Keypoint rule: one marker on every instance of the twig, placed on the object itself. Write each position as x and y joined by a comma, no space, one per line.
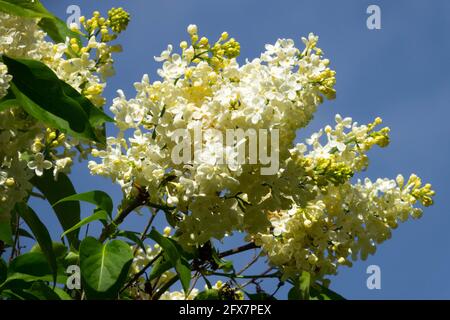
16,238
196,277
111,227
254,279
252,262
165,287
144,233
240,249
38,195
235,276
141,272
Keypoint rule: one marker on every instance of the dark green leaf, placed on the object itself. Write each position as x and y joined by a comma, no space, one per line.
104,267
176,259
181,251
24,233
40,291
5,231
59,249
72,258
260,296
97,215
45,97
223,264
208,294
160,266
10,295
3,270
8,103
320,292
293,294
30,267
133,236
57,29
24,8
62,294
170,251
41,234
37,290
96,116
101,199
32,263
183,270
68,213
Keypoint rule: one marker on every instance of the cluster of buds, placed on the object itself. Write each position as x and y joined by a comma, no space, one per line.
217,55
52,139
423,194
118,19
227,292
108,28
329,171
326,81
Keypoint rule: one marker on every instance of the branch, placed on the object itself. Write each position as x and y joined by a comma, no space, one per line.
141,272
235,276
16,245
240,249
165,287
140,200
38,195
144,233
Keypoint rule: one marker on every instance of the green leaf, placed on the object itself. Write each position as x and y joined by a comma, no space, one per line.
32,263
320,292
301,288
225,265
304,285
72,258
29,267
133,236
45,97
160,266
172,254
208,294
68,213
5,231
62,294
40,291
59,249
3,270
183,269
41,233
8,103
170,251
104,267
24,8
57,29
98,215
96,116
37,290
24,233
101,199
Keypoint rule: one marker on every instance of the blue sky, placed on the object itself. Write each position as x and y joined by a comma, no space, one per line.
400,73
